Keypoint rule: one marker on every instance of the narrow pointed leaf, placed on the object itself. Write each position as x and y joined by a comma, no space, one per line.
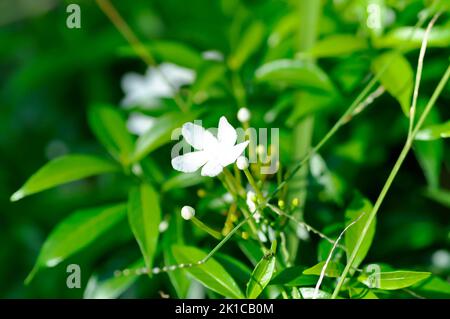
333,270
76,232
63,170
211,274
144,216
393,280
261,275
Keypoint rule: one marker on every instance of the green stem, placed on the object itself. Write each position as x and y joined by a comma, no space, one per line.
390,179
206,228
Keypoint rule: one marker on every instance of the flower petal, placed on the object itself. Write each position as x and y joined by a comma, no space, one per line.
226,134
231,154
197,136
189,162
212,168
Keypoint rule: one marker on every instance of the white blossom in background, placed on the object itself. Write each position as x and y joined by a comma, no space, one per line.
212,55
441,259
251,203
187,212
138,123
158,82
243,115
213,153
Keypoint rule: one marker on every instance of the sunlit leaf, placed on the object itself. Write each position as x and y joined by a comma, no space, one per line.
144,215
211,274
261,275
75,232
63,170
333,270
397,78
393,280
357,207
108,125
434,132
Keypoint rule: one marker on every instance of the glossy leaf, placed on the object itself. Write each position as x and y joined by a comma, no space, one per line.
108,125
76,232
113,287
144,216
293,276
261,275
294,73
358,206
393,280
333,270
397,78
434,132
211,274
63,170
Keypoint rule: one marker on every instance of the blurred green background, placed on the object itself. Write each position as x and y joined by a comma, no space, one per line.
50,75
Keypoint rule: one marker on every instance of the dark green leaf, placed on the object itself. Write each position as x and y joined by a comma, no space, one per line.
248,44
75,232
63,170
293,276
211,274
110,129
144,215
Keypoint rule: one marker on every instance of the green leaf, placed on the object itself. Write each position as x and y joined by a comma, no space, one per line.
359,291
358,206
248,44
211,274
338,45
412,39
144,216
293,276
433,287
439,195
397,78
392,280
76,232
109,127
237,269
160,133
113,287
294,73
430,155
434,132
334,269
308,293
262,274
63,170
182,181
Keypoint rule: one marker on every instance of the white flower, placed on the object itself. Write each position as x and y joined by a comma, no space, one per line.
158,82
251,203
187,212
243,115
213,153
242,163
139,123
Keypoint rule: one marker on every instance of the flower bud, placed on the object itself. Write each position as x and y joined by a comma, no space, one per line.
187,212
242,162
243,115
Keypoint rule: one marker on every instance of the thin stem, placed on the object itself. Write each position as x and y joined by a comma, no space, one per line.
324,268
391,177
206,228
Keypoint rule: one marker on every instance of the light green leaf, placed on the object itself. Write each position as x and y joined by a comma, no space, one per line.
294,73
392,280
144,216
63,170
398,77
76,232
293,276
338,45
359,291
412,39
308,293
262,274
113,287
248,44
211,274
358,206
160,133
109,127
334,269
434,132
182,181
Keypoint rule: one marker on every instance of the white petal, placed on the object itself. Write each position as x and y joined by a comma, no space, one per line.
198,137
189,162
227,134
212,169
138,123
177,75
231,154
